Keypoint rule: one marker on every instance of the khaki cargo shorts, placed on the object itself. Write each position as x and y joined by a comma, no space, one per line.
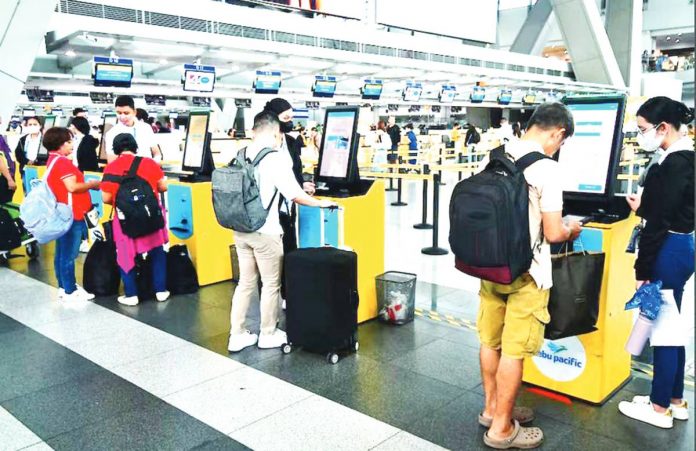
512,317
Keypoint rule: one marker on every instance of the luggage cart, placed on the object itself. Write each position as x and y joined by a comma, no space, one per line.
31,246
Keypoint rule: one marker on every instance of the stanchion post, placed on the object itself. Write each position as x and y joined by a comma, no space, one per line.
435,249
398,202
460,160
424,222
439,162
391,160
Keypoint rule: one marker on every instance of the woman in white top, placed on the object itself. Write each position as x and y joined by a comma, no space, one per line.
27,150
381,143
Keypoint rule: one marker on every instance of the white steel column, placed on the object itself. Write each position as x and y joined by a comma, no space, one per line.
624,24
23,24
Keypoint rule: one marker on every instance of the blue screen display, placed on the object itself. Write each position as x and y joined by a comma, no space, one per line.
372,90
478,94
505,97
324,87
267,82
113,73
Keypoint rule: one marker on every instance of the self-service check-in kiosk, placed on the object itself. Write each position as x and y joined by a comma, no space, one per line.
592,367
362,203
189,203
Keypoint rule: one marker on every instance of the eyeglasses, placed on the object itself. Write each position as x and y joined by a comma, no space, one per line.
643,132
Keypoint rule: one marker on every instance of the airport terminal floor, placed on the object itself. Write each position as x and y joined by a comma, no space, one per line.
158,376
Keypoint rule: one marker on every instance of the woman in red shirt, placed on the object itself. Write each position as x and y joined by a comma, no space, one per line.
68,184
125,147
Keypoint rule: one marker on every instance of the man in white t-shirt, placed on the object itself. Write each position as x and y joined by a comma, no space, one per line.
128,123
261,253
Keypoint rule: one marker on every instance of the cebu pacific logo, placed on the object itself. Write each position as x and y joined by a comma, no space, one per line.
561,360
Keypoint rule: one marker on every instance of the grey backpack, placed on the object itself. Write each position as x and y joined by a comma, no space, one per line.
236,194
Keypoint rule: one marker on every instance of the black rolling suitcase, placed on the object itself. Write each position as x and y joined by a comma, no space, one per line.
322,301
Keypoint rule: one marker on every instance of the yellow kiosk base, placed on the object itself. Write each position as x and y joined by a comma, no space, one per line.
191,221
364,233
592,367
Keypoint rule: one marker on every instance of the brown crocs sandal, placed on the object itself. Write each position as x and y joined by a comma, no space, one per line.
522,438
524,415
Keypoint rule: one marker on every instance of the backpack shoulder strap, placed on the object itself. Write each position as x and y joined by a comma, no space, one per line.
134,167
498,156
529,159
50,167
261,155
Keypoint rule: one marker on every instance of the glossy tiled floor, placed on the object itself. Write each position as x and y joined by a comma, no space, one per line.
158,376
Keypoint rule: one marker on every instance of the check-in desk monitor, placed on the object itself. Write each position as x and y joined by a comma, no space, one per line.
589,160
198,157
337,173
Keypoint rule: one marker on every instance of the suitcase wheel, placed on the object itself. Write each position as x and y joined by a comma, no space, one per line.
32,250
287,348
332,358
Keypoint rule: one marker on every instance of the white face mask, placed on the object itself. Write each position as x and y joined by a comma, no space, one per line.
31,129
650,141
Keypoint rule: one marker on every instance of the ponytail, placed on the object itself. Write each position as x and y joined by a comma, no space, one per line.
663,109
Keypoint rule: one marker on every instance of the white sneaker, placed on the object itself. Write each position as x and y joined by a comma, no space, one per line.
84,247
241,341
679,412
274,340
162,296
129,301
647,414
85,294
74,297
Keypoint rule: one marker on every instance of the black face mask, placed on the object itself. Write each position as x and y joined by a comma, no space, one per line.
286,127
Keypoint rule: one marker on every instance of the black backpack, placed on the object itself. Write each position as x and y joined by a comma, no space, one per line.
489,220
100,273
181,274
10,232
136,204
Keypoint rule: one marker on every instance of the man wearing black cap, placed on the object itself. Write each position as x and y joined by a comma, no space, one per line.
292,148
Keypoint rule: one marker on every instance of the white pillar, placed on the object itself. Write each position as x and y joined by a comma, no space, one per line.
23,24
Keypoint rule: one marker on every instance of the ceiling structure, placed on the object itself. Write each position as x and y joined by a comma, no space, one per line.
160,44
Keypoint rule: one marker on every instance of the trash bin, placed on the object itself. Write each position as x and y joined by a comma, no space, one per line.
396,297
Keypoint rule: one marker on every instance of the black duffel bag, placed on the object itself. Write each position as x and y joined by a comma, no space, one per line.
574,299
181,274
100,274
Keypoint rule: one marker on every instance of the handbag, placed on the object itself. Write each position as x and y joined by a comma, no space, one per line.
671,327
574,297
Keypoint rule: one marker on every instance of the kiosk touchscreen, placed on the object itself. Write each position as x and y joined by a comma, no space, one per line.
337,172
109,121
198,157
589,160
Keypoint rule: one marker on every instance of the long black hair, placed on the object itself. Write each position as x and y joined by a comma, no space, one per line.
663,109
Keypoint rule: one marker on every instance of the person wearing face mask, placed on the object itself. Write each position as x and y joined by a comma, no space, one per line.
261,252
27,150
666,250
86,144
68,185
128,123
290,151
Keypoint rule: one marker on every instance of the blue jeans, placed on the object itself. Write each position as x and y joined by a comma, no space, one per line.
67,250
674,266
158,259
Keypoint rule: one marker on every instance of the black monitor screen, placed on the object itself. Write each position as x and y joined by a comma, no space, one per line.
155,100
372,90
196,134
505,97
589,158
340,134
111,74
267,82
